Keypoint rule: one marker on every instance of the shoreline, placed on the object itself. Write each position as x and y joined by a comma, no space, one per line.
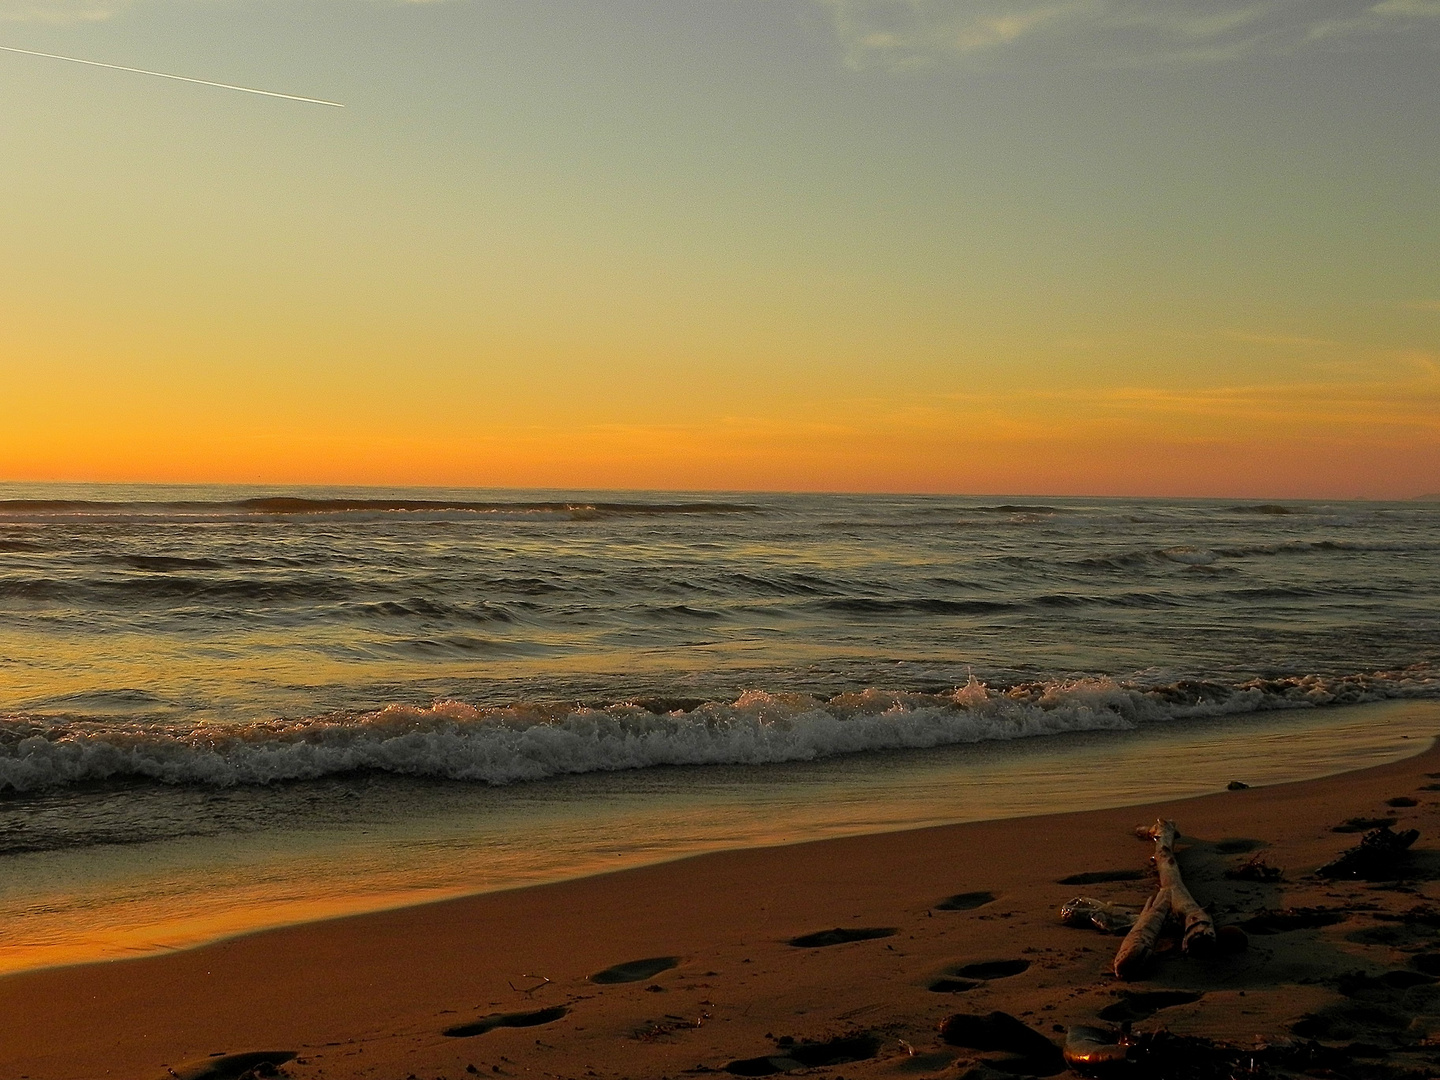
409,842
372,994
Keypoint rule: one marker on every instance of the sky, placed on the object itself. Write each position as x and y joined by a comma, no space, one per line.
1105,247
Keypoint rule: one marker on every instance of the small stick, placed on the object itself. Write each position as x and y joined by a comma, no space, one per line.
528,990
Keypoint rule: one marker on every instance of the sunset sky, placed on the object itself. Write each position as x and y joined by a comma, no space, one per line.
995,246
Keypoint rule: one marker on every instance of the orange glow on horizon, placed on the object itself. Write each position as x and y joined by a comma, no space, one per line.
1314,441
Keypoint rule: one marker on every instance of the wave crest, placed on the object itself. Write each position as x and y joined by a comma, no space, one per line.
456,741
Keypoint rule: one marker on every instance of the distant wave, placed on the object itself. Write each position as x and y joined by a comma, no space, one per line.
1266,508
280,505
455,741
165,564
1016,508
920,605
285,506
350,598
1206,557
308,588
911,604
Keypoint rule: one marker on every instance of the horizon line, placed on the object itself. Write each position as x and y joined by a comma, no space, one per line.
837,492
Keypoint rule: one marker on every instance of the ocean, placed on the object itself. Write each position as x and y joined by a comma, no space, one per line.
228,708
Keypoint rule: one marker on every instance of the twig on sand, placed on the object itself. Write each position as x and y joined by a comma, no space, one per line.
529,990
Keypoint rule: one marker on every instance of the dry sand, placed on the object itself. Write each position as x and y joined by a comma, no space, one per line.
374,995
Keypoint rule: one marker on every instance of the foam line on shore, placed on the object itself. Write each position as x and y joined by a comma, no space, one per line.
456,741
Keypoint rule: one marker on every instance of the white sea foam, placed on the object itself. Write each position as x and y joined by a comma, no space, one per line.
456,741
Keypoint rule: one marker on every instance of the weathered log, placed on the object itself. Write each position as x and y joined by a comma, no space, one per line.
1172,897
1199,935
1138,947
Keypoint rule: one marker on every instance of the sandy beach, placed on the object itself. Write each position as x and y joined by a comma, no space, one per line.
533,982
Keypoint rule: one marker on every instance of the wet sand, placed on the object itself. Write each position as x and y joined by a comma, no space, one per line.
796,958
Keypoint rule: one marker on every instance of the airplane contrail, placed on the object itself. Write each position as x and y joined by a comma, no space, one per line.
177,78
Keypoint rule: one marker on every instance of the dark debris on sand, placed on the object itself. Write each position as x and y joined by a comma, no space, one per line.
1163,1055
1382,1026
1257,869
1381,856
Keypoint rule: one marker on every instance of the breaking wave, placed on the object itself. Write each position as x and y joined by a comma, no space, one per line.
455,741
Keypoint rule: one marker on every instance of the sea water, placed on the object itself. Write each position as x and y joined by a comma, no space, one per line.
226,708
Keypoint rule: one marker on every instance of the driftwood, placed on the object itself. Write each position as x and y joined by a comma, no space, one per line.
1199,936
1171,898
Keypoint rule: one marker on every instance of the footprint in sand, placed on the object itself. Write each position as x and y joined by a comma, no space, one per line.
232,1066
790,1055
1032,1053
1350,1022
1288,919
841,936
993,969
950,985
1141,1005
1100,877
635,970
1388,984
1407,933
1364,824
499,1020
1237,846
1428,962
972,975
966,901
